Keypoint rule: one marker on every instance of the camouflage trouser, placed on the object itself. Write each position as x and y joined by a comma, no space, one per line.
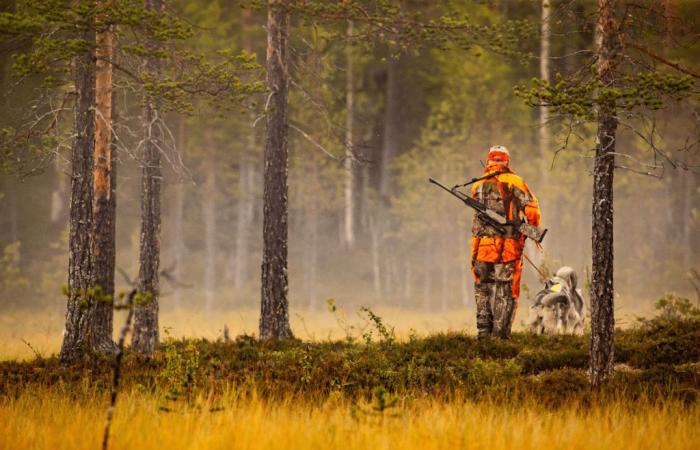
494,280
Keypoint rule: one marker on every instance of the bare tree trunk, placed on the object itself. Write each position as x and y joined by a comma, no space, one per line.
209,213
274,308
178,246
77,338
104,220
390,137
145,335
349,139
544,138
246,183
602,295
544,75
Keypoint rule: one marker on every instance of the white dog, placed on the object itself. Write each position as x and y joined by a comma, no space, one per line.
559,307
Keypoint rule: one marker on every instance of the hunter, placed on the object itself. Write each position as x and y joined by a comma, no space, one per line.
496,255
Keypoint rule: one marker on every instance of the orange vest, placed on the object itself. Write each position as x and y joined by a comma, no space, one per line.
508,195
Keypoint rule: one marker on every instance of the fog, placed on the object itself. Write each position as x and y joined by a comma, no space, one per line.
416,114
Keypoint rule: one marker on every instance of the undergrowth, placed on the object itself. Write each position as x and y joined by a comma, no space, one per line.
659,358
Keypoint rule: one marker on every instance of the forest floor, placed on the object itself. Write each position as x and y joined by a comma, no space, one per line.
372,390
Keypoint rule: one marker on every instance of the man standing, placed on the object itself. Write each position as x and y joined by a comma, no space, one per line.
497,254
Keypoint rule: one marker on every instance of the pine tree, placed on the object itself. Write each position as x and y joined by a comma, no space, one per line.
274,307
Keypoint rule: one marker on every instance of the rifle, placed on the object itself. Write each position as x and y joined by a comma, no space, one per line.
493,218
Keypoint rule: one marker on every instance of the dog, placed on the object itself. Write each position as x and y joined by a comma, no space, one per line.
559,307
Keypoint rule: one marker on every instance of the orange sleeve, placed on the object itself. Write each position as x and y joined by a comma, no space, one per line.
532,212
530,205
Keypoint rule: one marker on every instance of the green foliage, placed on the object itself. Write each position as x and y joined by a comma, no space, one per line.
180,373
674,307
670,338
407,29
386,333
581,100
48,38
143,298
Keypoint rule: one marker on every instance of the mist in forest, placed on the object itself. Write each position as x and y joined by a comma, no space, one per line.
414,115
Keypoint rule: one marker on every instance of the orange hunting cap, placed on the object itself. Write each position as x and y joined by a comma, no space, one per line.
498,154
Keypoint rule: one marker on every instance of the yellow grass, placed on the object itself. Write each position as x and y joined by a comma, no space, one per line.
43,331
52,420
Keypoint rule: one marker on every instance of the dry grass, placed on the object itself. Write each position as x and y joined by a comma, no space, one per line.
54,420
43,331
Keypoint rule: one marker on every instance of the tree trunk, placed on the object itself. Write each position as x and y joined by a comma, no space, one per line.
349,225
544,75
274,308
77,338
246,183
209,213
145,336
178,246
390,137
104,220
602,295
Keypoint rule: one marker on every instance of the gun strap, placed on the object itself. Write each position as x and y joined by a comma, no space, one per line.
485,177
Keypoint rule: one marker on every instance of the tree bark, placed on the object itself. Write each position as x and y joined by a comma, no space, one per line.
602,292
77,337
145,335
104,220
274,307
349,223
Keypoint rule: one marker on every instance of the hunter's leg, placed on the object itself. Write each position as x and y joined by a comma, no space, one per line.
483,289
504,302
